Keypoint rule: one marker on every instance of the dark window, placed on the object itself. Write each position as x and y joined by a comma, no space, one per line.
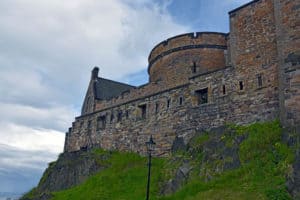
112,117
259,80
224,89
241,85
168,103
119,116
81,124
143,109
101,122
180,101
202,96
194,67
89,128
156,107
127,114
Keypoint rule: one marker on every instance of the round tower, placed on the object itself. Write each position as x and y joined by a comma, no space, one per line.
174,60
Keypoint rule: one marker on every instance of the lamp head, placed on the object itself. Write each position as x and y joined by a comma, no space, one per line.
150,144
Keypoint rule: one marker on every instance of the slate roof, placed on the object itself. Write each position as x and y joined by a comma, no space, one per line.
106,89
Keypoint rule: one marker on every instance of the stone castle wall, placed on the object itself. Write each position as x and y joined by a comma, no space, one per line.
287,15
183,54
204,80
254,57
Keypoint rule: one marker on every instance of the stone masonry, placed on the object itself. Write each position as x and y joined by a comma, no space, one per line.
199,81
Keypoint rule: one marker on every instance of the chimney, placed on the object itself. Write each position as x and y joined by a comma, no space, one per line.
95,73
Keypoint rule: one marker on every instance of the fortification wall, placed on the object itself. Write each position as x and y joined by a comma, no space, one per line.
185,101
168,114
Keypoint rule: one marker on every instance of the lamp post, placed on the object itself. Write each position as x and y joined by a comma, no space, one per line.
150,147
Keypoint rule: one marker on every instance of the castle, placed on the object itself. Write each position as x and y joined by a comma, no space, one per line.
201,80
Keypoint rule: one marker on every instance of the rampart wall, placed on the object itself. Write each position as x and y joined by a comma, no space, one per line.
205,80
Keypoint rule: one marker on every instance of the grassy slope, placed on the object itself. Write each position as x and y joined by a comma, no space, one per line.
265,162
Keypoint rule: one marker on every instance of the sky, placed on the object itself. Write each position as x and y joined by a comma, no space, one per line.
47,51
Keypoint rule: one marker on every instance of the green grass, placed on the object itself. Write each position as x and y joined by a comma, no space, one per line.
265,163
126,178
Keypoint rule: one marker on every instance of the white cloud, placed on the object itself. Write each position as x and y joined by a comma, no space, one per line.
24,154
56,117
30,139
47,49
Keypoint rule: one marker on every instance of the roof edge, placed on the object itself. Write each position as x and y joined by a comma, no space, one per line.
118,82
242,6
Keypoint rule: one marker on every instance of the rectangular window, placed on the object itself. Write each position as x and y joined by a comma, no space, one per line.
143,109
119,116
241,85
259,80
202,96
224,89
101,122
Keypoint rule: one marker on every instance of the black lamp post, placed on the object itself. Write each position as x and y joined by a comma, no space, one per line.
150,147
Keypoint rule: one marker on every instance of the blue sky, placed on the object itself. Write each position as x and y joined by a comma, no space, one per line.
47,50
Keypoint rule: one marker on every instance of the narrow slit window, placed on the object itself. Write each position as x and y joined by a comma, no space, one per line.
194,67
202,96
119,116
112,117
168,103
223,89
156,107
143,109
101,122
81,124
241,85
127,114
89,127
259,80
180,101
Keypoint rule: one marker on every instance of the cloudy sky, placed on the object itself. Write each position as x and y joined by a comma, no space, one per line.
47,50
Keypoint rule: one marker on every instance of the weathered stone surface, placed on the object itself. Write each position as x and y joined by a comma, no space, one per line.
178,145
288,47
71,168
207,154
178,181
234,93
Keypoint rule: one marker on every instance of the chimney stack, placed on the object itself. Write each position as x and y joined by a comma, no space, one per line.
95,72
